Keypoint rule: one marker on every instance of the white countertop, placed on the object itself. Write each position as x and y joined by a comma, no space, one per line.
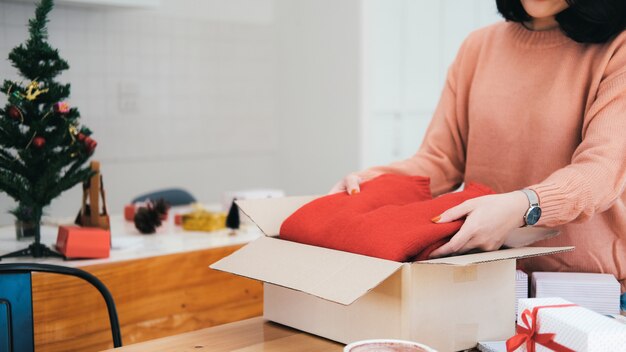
128,243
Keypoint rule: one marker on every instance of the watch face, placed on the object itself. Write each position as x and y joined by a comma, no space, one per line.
533,215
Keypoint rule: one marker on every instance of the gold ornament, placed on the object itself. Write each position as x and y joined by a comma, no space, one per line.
33,91
73,133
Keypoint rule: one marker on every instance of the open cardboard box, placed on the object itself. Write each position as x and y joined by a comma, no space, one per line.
447,303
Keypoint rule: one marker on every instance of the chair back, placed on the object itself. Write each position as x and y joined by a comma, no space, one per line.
16,313
16,307
173,196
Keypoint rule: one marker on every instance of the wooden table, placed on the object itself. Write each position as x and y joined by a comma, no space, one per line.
249,335
161,283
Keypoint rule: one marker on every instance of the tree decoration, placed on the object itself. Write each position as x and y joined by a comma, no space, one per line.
90,145
232,220
15,96
61,108
147,220
161,207
33,91
15,113
39,159
39,142
148,217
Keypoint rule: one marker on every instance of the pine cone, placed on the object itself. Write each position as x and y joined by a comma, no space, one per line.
147,220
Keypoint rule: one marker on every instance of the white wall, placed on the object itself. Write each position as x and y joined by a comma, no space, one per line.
319,79
181,95
409,45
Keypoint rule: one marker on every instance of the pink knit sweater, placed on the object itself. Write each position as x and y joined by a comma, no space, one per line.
536,109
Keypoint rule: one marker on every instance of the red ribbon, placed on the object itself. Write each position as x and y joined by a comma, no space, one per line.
529,333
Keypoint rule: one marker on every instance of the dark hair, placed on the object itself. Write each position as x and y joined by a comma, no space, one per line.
585,21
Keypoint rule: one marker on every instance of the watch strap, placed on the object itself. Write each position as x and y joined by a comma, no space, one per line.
533,199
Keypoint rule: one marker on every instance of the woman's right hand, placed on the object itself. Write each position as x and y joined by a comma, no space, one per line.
350,184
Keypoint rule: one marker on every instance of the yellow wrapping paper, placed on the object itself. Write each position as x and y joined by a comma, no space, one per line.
204,220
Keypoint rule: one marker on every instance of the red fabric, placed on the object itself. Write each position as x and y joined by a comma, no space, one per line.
389,219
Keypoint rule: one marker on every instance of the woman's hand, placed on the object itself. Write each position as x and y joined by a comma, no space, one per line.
349,184
487,221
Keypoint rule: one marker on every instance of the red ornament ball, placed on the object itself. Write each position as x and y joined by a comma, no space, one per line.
14,112
39,142
81,137
90,145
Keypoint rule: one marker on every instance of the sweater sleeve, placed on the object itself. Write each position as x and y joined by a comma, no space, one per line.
596,176
442,153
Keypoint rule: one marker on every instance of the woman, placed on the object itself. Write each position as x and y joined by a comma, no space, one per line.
537,103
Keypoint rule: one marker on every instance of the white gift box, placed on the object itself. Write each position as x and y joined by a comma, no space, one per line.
521,287
575,327
492,346
598,292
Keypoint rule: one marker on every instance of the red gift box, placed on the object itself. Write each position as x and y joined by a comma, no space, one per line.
83,242
129,212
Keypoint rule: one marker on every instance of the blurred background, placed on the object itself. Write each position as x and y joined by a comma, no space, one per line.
223,95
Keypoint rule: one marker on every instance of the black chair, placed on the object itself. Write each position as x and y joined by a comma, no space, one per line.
173,196
16,305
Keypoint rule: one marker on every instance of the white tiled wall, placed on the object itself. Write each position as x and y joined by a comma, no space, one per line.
180,95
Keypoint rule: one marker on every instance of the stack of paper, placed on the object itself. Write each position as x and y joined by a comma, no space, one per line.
521,287
598,292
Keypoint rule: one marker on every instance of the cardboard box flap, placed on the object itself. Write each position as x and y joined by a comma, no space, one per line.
503,254
268,214
332,275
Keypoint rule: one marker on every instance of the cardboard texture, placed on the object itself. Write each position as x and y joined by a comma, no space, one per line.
328,274
268,214
418,303
83,242
447,303
503,254
524,236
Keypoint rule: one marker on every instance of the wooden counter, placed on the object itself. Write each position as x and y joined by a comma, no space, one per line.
161,283
155,297
250,335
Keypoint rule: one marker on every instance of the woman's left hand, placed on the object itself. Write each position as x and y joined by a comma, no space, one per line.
487,221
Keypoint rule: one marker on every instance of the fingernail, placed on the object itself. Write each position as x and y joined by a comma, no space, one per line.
354,191
436,219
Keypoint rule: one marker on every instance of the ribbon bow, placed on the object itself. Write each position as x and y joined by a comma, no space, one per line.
529,333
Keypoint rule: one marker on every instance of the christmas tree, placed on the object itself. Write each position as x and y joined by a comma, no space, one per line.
43,149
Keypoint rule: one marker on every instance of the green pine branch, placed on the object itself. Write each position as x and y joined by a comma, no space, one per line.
14,185
37,60
37,25
68,181
10,163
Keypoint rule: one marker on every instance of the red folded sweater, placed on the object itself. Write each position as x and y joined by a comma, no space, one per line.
389,219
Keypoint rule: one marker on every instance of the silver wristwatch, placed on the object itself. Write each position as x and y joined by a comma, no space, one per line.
534,211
